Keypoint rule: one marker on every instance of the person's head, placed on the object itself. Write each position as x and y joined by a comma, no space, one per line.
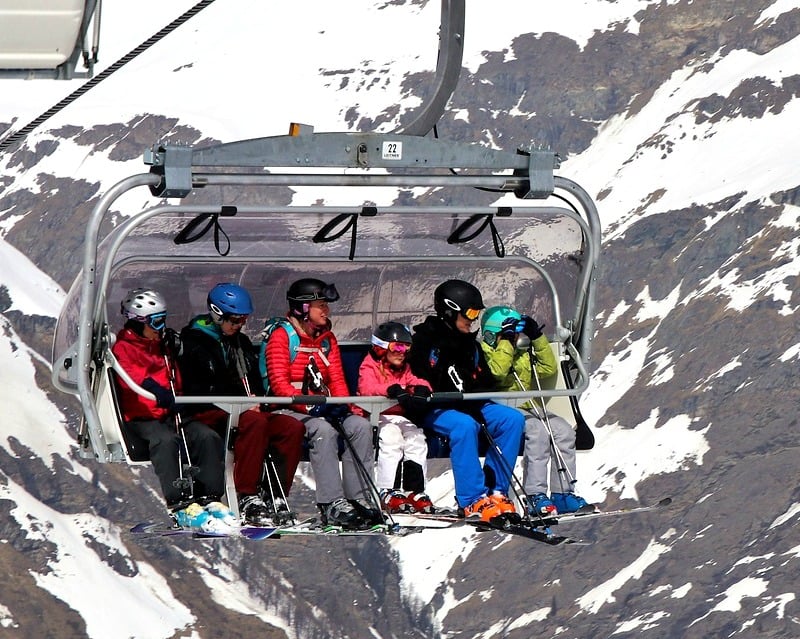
492,321
308,300
146,312
229,306
458,303
391,342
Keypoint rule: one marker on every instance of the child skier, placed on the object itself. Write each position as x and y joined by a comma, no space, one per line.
385,371
520,358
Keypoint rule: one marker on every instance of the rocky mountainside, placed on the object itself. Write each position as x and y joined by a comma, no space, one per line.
680,119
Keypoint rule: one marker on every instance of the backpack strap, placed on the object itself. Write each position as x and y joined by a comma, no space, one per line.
269,328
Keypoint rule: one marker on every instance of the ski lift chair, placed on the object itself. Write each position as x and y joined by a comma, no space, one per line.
537,252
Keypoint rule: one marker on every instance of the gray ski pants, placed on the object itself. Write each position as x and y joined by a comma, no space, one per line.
539,453
323,442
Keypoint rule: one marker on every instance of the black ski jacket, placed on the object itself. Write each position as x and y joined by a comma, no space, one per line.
436,347
214,364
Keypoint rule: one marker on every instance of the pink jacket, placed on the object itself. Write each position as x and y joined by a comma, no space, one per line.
374,378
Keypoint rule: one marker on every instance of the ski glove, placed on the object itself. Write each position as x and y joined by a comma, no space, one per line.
330,412
393,391
419,396
164,397
508,329
531,328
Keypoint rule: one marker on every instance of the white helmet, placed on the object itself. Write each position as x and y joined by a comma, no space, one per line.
146,306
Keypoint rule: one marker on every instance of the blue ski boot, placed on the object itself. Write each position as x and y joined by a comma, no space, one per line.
540,505
568,502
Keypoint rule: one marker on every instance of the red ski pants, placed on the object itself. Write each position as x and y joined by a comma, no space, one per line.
260,433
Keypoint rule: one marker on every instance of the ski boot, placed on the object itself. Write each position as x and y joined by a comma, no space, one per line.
254,511
420,503
340,513
393,501
569,503
195,517
540,506
495,511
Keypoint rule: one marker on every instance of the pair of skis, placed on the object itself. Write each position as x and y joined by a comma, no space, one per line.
306,527
537,529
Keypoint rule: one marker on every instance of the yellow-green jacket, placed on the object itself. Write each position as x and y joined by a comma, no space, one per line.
504,360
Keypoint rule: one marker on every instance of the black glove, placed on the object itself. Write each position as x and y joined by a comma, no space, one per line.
393,391
172,342
420,391
405,399
508,329
531,328
330,412
164,396
419,396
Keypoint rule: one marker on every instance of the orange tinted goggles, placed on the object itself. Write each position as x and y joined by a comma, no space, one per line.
471,314
399,347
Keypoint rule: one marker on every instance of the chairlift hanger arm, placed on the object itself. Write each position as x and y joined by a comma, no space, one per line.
448,68
411,160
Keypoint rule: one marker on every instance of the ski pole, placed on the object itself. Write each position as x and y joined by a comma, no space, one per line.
269,463
183,482
366,476
545,419
514,481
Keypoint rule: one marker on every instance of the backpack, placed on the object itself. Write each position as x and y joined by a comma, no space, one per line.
294,343
294,346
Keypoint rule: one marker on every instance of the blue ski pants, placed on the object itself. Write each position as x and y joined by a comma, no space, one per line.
505,425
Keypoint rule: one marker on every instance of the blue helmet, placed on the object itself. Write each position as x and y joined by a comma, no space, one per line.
229,299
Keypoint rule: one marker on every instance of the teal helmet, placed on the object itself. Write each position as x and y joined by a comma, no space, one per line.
493,319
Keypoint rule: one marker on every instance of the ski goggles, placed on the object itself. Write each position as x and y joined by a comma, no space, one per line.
235,320
327,293
471,313
394,347
157,321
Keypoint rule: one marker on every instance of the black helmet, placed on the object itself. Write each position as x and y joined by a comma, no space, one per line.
457,296
307,290
390,332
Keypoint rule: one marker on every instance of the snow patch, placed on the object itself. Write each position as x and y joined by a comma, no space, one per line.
593,600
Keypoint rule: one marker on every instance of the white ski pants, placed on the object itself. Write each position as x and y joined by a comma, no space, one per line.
398,439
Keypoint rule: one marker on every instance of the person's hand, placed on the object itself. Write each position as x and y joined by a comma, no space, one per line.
330,412
419,396
508,329
531,328
164,396
393,391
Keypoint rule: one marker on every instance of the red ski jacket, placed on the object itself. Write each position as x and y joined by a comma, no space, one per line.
141,358
286,377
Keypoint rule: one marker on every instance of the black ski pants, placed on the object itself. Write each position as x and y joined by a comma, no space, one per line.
206,453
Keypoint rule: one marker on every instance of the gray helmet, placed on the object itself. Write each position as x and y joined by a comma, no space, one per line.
140,303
